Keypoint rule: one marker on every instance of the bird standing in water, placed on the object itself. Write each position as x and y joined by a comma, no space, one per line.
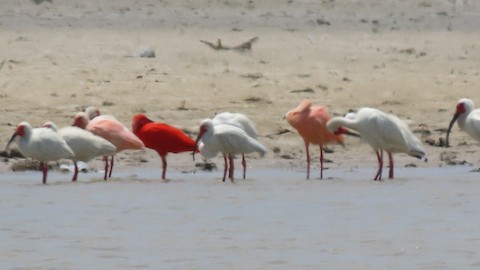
42,144
229,140
381,131
310,122
162,138
109,128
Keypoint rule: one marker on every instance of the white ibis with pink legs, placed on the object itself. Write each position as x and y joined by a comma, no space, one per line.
229,140
381,131
235,119
84,144
41,144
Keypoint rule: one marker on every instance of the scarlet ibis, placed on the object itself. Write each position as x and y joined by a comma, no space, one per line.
161,137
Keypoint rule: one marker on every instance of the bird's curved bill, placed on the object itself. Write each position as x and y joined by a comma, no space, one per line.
10,142
195,147
454,119
348,132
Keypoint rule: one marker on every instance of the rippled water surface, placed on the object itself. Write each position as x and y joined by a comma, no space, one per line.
427,218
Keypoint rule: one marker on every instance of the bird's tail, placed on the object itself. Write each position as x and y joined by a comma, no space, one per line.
417,153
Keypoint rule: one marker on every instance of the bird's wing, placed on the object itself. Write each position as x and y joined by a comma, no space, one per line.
236,141
165,138
396,135
473,123
85,144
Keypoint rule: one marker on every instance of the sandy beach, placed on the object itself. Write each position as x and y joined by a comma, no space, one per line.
414,59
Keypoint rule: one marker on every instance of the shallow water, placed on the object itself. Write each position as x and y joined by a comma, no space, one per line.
427,218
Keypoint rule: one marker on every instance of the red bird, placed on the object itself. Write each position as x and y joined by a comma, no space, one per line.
161,137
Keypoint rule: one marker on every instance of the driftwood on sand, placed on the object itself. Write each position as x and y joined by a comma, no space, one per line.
245,46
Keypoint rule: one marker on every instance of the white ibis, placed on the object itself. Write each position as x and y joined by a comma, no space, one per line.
468,119
42,144
381,131
109,128
84,144
229,140
235,119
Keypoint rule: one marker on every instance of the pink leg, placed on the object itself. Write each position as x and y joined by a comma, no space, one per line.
244,164
390,160
380,165
44,172
308,160
225,167
321,161
230,173
111,167
164,166
75,173
105,158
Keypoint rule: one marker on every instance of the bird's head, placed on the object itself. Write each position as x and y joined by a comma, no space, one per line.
22,130
295,115
205,126
138,121
92,112
464,107
80,120
50,125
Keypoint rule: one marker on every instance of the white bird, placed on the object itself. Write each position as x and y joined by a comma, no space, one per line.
235,119
84,144
42,144
229,140
381,131
468,119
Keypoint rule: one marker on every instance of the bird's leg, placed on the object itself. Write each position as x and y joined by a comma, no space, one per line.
390,160
308,160
75,172
44,172
229,167
380,165
244,164
164,166
225,167
111,167
105,158
321,161
230,173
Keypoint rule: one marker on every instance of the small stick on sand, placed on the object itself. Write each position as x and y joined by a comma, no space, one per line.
246,46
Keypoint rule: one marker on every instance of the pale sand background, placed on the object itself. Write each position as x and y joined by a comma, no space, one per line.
412,58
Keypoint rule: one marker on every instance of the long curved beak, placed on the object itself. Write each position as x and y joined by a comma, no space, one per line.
348,132
195,148
454,119
10,142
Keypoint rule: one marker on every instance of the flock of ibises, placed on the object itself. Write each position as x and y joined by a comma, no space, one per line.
94,135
